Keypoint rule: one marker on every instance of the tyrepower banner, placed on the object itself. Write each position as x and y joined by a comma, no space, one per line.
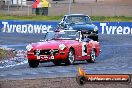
13,26
26,26
114,27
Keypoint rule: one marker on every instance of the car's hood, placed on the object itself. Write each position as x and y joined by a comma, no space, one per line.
83,26
52,44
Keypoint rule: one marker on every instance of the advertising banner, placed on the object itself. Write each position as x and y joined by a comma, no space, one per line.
114,27
26,26
13,26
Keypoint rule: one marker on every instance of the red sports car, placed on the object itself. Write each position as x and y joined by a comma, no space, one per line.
65,46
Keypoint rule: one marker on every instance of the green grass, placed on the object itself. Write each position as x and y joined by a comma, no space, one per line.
56,18
33,17
111,19
4,54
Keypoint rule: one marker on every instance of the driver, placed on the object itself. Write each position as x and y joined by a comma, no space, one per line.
85,37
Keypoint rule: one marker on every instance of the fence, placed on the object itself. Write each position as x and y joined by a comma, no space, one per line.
21,8
92,9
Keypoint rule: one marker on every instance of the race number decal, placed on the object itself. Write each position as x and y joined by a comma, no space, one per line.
84,49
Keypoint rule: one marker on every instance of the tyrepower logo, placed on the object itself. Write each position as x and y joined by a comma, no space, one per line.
25,28
118,28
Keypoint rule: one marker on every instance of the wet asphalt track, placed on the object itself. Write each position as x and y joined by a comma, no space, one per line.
116,58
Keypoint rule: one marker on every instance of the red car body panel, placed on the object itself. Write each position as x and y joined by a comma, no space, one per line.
63,54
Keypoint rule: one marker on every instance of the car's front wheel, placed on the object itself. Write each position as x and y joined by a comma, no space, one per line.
33,63
71,57
92,56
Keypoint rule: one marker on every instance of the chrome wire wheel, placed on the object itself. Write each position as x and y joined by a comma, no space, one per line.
70,58
93,56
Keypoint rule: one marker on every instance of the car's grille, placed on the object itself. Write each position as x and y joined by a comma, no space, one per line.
46,52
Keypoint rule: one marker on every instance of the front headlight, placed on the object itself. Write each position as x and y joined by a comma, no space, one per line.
96,28
29,47
62,46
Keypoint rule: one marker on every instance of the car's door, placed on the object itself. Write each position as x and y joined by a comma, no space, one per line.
78,50
82,50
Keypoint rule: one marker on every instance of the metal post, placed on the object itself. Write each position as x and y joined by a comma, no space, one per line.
17,4
9,7
69,7
21,4
73,1
28,9
12,2
91,11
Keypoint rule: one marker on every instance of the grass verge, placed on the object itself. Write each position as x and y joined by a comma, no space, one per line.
4,54
57,18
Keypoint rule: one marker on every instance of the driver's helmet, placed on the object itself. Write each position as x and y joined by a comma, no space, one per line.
85,34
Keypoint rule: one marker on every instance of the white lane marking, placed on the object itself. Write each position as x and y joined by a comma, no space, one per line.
3,75
16,74
119,45
129,67
34,73
63,71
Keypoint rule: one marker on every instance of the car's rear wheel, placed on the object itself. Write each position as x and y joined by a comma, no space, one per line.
33,63
57,62
92,56
71,57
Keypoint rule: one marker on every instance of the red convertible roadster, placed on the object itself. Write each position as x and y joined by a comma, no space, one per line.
65,46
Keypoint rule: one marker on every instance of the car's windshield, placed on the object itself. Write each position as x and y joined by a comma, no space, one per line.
68,34
78,19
